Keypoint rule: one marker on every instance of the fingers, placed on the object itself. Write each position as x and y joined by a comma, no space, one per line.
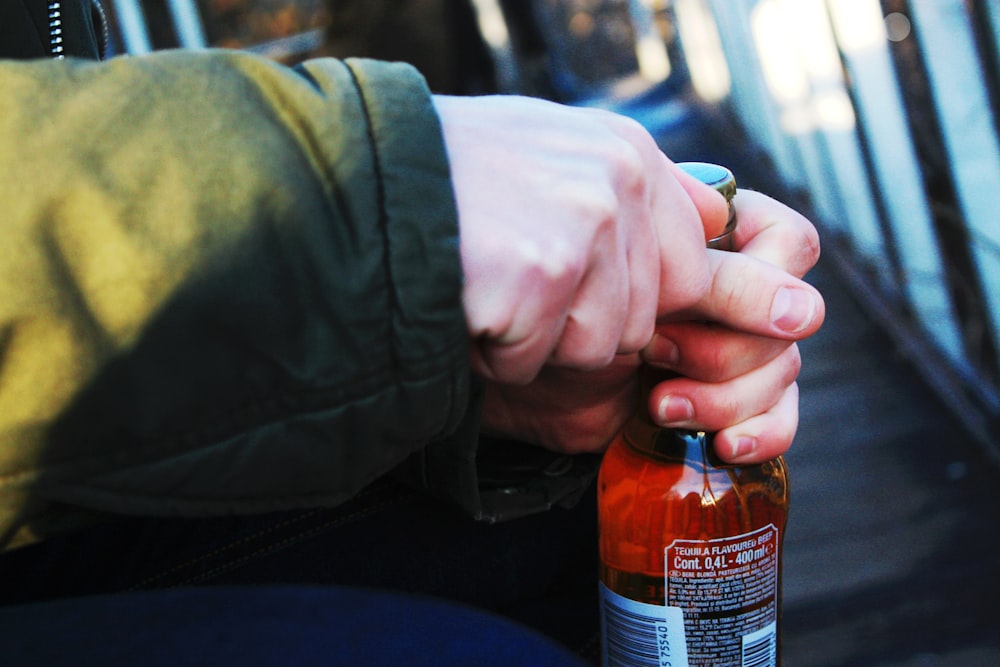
707,352
681,402
681,206
754,308
565,410
614,308
595,325
575,234
736,347
774,233
764,436
755,297
681,211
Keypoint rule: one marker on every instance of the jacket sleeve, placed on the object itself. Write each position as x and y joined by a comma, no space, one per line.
225,286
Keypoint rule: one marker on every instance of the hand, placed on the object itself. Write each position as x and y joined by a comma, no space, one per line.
576,232
736,349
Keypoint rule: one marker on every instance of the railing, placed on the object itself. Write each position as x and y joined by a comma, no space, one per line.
885,115
133,28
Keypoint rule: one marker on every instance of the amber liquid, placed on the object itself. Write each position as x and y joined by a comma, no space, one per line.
655,488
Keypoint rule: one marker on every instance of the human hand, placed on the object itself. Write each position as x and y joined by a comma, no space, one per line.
565,216
734,354
576,233
739,367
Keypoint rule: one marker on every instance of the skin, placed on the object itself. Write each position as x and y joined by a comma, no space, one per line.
739,371
583,248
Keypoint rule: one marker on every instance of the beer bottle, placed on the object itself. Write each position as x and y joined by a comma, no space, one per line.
690,547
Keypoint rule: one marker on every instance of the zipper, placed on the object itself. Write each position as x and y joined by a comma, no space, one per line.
56,46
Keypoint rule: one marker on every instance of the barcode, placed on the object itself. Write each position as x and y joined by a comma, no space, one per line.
640,634
631,639
760,649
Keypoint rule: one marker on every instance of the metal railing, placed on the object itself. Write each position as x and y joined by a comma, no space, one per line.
885,115
134,30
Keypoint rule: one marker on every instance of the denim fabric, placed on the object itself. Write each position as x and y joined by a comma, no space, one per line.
539,570
267,626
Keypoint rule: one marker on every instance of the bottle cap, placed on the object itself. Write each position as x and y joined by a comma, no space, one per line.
724,182
714,175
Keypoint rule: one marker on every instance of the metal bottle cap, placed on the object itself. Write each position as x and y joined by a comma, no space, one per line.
724,182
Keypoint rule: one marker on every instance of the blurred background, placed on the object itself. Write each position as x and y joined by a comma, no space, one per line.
880,120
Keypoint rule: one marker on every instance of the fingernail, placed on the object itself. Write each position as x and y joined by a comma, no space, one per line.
745,445
663,352
792,309
675,409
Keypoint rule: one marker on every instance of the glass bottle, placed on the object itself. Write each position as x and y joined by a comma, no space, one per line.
690,547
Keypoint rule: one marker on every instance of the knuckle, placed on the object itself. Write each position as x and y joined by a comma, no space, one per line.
804,241
719,360
596,206
793,365
584,355
732,409
633,132
550,263
689,289
637,337
813,249
623,153
731,288
630,172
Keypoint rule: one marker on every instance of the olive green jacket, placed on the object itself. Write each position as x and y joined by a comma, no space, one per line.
225,286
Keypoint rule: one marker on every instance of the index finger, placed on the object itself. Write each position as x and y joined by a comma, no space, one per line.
774,233
752,296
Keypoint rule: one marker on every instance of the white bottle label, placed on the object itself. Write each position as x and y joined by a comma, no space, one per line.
636,634
728,589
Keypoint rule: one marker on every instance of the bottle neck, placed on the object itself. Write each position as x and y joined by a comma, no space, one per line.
667,444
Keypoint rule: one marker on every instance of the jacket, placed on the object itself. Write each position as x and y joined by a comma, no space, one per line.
52,29
224,286
231,287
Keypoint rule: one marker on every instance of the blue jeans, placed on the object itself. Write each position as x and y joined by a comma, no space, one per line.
539,571
279,626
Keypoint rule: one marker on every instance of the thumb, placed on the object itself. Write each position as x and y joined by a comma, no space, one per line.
712,206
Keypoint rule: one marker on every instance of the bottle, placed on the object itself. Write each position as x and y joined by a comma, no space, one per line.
690,547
